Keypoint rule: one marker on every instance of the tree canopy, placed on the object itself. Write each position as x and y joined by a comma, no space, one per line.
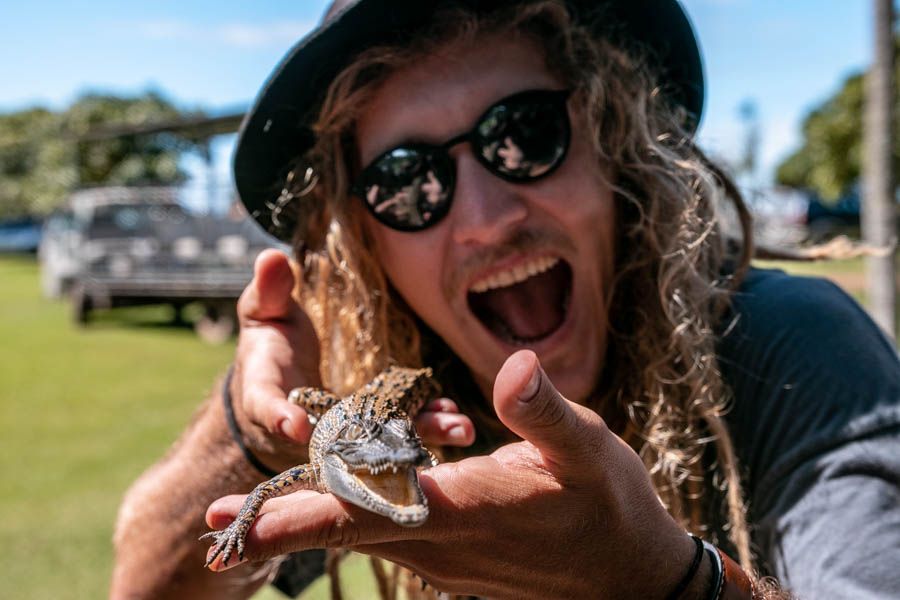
829,161
43,156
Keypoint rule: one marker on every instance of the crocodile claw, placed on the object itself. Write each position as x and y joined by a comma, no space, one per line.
226,541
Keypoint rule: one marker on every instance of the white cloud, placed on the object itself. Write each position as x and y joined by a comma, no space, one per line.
230,34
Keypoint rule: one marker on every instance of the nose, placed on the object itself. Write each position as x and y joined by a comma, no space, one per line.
485,207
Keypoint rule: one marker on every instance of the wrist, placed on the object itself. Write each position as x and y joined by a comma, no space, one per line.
719,578
714,577
691,583
700,586
689,573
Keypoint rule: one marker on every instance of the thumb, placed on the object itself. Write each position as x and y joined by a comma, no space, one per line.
268,296
527,402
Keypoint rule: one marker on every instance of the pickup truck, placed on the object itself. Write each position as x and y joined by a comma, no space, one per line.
136,246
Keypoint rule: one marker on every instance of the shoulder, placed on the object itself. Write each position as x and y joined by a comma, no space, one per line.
772,306
815,419
778,320
807,369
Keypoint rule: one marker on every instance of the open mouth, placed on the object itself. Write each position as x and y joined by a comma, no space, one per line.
525,304
393,492
394,485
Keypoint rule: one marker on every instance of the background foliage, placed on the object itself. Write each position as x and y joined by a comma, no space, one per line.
42,157
829,161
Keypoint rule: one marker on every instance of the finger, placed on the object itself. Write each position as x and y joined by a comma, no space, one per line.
271,316
527,402
302,521
266,405
260,384
268,296
223,511
445,429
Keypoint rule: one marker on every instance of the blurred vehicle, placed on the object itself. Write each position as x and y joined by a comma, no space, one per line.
825,220
66,247
779,215
57,253
114,247
20,235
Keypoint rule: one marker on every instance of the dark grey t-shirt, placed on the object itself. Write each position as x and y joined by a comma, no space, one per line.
816,424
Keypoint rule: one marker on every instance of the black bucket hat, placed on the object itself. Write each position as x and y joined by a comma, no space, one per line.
278,127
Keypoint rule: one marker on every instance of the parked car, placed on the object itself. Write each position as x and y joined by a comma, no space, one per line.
114,247
20,235
825,220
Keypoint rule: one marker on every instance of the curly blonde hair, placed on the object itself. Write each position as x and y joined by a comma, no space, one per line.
674,273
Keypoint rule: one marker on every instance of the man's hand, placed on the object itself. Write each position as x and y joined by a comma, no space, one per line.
277,351
568,512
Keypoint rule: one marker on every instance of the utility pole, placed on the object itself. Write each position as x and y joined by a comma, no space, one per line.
878,207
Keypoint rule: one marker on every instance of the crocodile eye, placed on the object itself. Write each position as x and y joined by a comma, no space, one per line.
354,431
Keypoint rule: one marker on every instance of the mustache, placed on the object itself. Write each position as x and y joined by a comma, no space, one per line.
521,241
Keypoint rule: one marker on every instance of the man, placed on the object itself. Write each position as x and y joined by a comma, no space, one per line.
509,193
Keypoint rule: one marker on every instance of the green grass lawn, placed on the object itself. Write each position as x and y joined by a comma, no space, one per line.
82,412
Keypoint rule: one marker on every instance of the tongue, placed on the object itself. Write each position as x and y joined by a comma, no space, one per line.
529,310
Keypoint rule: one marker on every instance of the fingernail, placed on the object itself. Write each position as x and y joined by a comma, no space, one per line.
218,567
287,429
531,388
457,433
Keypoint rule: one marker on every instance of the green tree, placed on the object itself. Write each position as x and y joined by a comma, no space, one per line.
27,139
44,155
829,161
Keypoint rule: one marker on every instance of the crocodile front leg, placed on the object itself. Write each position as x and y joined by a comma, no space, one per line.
235,535
315,401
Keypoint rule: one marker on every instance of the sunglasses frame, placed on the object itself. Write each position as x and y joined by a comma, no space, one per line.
438,153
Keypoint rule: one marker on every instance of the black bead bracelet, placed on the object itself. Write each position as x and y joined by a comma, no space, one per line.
691,572
236,430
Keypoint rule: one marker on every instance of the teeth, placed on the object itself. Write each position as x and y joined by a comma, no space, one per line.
514,275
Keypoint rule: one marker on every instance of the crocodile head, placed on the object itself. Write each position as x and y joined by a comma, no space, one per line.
372,463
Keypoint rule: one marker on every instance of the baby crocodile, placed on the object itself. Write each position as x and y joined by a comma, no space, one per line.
364,449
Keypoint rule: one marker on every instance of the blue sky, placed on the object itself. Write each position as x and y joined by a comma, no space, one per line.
784,55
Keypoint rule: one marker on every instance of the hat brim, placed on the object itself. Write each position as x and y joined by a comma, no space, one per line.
277,130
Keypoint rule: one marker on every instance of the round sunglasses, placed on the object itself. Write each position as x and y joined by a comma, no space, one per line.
520,138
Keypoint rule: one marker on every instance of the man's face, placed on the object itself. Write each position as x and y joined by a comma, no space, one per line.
511,266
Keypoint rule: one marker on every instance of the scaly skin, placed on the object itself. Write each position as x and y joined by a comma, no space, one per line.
364,449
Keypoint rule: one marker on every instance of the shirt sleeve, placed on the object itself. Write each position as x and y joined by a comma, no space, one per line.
816,425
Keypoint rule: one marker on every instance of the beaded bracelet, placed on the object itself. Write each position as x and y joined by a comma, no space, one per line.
236,430
717,577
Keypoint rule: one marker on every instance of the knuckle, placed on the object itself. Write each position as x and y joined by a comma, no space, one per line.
339,532
550,411
249,402
277,547
245,304
447,583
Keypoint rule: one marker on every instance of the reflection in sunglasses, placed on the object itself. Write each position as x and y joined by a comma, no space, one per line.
404,204
520,138
511,154
434,191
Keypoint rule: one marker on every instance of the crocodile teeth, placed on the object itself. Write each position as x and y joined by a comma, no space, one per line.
516,274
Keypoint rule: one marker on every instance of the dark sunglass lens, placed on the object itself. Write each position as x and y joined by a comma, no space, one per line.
408,188
525,137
